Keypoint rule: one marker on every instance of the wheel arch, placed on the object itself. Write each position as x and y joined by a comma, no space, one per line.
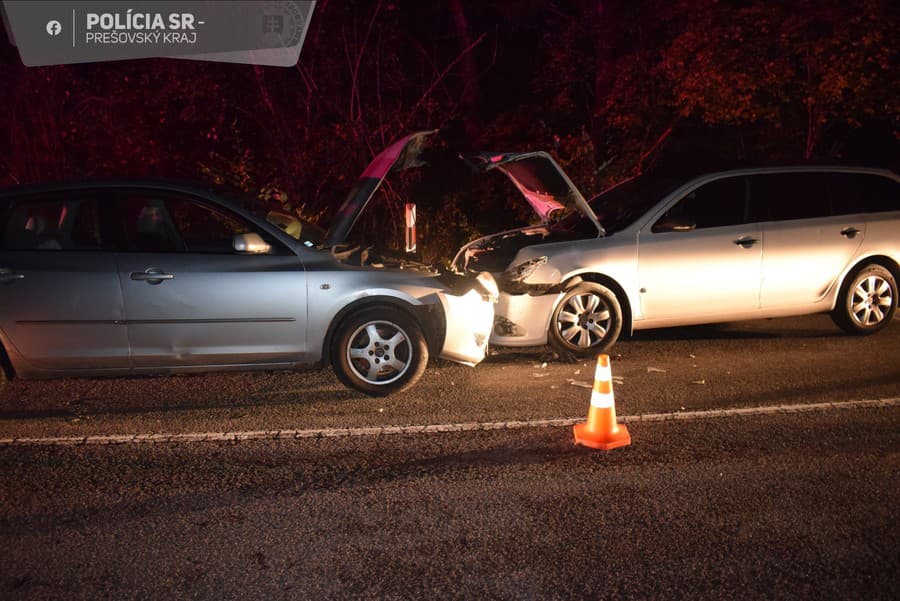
883,260
614,286
430,318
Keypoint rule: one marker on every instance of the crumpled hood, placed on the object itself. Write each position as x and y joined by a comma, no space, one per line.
402,154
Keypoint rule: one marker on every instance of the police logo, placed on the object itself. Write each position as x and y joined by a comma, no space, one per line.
282,24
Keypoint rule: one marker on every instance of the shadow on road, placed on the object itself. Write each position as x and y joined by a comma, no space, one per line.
768,329
238,393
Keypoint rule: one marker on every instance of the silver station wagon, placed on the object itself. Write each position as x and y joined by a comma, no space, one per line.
129,277
655,252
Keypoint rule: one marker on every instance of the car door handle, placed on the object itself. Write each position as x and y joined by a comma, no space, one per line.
849,232
152,276
746,241
8,276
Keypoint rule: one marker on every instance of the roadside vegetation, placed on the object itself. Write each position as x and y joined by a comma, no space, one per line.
611,88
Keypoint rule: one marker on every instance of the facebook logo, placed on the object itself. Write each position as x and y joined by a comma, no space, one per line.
54,28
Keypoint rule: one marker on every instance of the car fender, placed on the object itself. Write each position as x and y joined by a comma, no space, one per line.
857,263
330,302
593,259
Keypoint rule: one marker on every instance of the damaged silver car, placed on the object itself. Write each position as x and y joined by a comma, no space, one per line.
142,277
656,252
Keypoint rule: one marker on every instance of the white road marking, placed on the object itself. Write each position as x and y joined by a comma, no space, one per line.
112,439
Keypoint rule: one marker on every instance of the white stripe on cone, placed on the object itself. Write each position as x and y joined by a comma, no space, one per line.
603,374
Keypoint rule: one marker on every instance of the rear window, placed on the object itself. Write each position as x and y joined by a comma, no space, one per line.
862,193
784,196
58,222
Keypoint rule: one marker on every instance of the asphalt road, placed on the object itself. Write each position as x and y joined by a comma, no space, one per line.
765,506
730,365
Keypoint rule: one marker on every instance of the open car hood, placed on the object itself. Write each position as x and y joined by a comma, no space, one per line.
541,181
402,154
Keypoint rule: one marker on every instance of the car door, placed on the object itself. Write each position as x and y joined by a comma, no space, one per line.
60,302
700,261
809,238
191,299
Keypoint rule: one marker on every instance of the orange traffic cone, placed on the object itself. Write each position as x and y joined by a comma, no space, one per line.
601,430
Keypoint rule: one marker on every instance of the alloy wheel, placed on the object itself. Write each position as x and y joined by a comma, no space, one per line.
872,300
584,320
379,352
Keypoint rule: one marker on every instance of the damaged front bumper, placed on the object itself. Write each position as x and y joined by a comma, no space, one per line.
469,317
523,319
523,311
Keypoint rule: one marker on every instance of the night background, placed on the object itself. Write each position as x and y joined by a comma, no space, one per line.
611,88
764,454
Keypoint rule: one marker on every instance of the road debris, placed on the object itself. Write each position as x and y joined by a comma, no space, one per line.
655,370
701,381
581,383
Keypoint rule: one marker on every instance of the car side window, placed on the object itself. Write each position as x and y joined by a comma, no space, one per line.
787,196
146,223
719,203
61,221
862,193
204,229
163,221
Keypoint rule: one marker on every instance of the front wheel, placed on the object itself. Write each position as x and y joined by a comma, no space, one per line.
866,302
587,321
379,350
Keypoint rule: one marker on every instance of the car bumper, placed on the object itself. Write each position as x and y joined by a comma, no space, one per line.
469,318
522,319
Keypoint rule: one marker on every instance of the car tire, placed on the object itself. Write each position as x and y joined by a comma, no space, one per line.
586,321
379,351
866,302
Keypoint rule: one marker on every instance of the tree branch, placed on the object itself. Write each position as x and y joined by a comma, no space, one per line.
656,145
443,74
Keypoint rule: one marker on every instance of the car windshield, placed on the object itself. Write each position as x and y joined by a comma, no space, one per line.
618,207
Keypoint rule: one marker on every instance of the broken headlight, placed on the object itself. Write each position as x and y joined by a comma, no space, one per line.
519,272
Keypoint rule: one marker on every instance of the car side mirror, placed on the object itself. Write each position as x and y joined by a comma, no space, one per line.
674,224
251,243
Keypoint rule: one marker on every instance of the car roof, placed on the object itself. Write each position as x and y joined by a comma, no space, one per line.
219,193
722,170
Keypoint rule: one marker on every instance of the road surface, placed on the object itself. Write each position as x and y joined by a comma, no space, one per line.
761,505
